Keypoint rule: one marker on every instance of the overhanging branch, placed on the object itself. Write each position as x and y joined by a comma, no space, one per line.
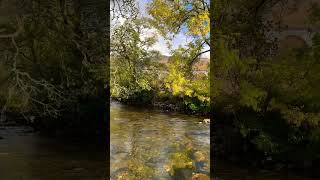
199,54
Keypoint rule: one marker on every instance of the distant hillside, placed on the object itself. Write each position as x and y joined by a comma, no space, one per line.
201,65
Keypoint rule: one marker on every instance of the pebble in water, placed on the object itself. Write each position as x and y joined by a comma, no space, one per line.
199,156
207,121
200,176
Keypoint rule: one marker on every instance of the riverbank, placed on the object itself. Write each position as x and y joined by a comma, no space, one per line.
85,120
230,147
168,105
225,170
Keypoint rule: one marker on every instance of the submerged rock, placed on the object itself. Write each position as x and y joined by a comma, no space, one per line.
200,176
207,121
189,146
200,167
199,156
123,176
178,161
182,173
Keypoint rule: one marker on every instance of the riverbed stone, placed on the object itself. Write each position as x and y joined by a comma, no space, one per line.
199,156
200,176
189,146
123,176
207,121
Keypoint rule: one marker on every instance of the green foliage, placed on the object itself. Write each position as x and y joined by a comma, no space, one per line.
133,67
52,65
274,97
251,96
264,143
170,16
286,85
181,81
137,76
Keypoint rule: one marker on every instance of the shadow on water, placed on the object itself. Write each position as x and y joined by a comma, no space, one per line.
227,171
25,155
145,144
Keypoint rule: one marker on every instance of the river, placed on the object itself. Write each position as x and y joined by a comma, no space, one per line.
25,155
145,144
148,144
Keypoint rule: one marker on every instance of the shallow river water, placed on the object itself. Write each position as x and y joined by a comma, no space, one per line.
148,144
145,144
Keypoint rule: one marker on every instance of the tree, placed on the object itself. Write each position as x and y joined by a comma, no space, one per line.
123,9
53,63
190,17
133,66
270,96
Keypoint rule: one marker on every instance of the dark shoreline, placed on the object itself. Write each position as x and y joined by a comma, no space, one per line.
163,107
254,160
221,164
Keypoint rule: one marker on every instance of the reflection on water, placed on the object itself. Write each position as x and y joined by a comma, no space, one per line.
27,156
226,171
146,144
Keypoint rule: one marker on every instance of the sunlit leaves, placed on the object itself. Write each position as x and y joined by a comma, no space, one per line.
181,82
199,25
169,17
251,96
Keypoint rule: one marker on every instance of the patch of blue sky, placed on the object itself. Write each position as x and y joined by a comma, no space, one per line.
181,39
189,6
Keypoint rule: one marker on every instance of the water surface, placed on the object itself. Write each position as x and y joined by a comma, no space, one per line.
148,144
145,144
25,155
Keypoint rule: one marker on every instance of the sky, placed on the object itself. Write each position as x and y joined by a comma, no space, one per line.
161,45
180,39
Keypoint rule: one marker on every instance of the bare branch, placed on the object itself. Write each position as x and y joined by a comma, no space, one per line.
15,34
199,54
